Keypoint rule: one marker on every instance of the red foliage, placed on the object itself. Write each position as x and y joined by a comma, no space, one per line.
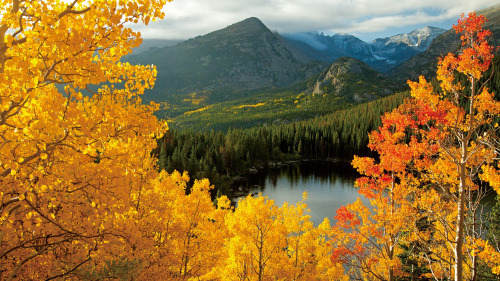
346,218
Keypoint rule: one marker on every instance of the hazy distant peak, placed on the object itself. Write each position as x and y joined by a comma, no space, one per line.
428,30
343,34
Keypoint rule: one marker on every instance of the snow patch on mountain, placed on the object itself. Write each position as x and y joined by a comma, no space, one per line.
420,38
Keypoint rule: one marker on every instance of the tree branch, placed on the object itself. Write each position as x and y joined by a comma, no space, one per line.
66,273
18,267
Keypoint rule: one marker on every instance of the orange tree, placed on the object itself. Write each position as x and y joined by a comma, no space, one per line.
73,168
439,145
458,120
367,241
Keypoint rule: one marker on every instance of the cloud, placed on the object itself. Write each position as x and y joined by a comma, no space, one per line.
307,38
188,18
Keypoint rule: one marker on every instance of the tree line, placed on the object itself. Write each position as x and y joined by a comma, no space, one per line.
220,157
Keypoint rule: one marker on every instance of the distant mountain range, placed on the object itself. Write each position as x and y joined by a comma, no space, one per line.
247,55
153,44
382,54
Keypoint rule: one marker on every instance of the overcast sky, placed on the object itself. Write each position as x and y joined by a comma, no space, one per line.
366,19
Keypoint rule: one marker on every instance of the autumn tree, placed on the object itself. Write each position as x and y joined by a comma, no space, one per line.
179,236
72,165
458,120
447,146
267,242
368,241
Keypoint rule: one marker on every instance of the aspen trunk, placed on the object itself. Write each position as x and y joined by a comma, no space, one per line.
459,237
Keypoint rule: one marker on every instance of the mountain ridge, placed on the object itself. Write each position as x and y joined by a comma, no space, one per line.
382,54
343,84
353,80
420,38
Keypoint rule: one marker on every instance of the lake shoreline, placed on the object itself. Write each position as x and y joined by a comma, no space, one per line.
240,191
329,184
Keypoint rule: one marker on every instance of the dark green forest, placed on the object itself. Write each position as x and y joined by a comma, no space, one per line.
221,157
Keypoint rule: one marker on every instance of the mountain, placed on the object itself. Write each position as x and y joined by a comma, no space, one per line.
154,43
242,56
352,46
382,54
425,63
419,39
343,84
353,80
317,46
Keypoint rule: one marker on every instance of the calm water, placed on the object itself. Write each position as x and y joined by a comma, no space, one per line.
329,186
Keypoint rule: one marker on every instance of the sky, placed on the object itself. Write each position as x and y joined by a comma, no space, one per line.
366,19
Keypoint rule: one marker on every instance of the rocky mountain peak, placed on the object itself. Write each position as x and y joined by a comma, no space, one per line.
425,63
248,26
243,56
353,80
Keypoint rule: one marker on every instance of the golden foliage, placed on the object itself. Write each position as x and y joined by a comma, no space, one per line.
249,105
72,166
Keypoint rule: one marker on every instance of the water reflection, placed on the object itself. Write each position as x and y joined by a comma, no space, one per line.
329,186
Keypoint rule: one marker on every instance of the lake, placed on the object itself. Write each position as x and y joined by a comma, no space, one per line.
329,185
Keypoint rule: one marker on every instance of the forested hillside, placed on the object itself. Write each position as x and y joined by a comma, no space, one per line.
220,157
342,85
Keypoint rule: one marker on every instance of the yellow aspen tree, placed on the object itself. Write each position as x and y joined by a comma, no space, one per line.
181,234
308,250
72,166
267,242
257,239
